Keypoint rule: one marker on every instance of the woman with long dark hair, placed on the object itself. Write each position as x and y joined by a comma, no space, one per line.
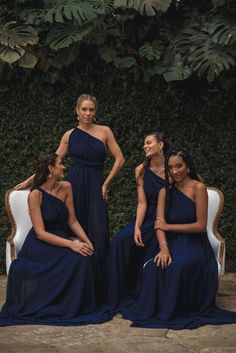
130,244
54,280
179,284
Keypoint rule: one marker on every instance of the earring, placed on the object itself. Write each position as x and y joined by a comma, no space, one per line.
78,118
94,120
161,151
188,170
50,175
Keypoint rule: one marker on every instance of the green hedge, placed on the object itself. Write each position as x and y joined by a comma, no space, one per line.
32,124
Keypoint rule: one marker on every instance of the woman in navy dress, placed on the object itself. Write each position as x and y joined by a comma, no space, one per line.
87,145
54,280
129,245
179,284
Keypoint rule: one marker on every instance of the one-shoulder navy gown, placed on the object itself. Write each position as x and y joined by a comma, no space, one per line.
182,295
86,178
49,284
125,258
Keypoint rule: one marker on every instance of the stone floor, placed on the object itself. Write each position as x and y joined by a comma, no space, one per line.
117,336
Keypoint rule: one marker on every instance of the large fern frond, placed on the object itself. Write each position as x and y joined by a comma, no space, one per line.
147,7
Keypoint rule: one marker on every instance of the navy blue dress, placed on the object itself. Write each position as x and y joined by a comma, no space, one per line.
182,295
86,178
125,258
49,284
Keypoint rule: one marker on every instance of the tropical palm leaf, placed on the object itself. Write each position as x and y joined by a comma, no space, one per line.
204,47
59,11
223,31
100,35
147,7
210,60
152,51
102,6
14,39
63,35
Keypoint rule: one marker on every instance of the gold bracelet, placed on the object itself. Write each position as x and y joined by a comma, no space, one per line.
160,219
163,242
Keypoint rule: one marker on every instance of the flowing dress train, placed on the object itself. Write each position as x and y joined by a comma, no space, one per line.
125,258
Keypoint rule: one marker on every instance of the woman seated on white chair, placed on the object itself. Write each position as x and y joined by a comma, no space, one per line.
54,280
178,287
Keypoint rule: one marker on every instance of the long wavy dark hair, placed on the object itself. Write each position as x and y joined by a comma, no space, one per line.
42,168
191,170
160,137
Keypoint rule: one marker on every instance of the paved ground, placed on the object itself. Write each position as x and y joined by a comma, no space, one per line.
117,336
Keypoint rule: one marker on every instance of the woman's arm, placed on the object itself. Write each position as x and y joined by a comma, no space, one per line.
199,226
163,258
117,154
63,146
34,201
25,184
141,207
61,151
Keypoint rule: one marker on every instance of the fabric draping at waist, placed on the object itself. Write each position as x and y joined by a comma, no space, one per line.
88,164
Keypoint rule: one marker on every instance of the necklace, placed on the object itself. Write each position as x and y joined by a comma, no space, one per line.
157,170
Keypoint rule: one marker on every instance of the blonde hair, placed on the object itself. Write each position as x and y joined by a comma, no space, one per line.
86,97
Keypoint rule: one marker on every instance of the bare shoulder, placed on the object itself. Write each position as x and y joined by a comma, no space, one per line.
35,196
199,186
104,128
65,185
138,171
138,168
66,135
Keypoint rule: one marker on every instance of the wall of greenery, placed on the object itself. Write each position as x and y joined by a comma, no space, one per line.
192,116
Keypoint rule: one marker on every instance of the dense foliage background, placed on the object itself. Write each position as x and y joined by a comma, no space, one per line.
192,117
153,65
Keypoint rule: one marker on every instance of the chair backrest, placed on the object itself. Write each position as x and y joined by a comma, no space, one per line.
16,202
215,206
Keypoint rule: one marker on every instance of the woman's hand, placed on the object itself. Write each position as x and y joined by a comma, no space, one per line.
138,237
90,245
163,258
82,248
22,185
105,192
161,224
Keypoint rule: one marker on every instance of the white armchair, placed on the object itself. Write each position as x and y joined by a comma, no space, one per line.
215,206
16,202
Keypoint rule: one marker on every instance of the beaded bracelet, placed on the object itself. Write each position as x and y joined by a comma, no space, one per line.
163,242
160,219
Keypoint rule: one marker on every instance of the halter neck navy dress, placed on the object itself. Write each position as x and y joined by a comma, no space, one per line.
125,258
86,177
49,284
182,295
